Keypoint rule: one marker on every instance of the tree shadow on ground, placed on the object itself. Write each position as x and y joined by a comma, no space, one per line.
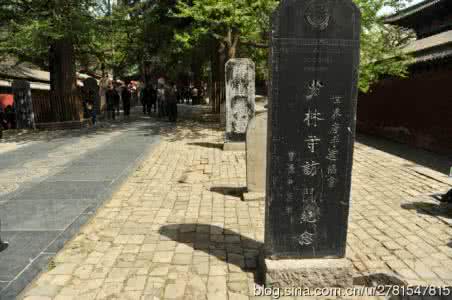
229,190
224,244
439,210
192,124
208,145
437,162
40,135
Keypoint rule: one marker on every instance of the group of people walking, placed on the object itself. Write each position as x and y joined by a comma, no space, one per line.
114,97
161,100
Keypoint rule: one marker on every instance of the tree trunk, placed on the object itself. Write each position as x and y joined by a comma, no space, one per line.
218,60
223,52
65,102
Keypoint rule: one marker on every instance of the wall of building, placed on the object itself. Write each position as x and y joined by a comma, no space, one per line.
416,110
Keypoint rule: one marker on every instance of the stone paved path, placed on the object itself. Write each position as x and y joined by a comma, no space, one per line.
51,183
177,228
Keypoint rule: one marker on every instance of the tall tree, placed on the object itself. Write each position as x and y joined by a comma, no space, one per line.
243,26
230,24
49,32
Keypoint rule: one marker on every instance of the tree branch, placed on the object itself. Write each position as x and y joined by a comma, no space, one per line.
255,44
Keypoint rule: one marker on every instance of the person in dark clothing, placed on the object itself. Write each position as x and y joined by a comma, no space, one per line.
91,106
146,100
112,98
161,99
143,100
447,198
117,99
3,244
171,102
195,96
126,97
2,121
152,99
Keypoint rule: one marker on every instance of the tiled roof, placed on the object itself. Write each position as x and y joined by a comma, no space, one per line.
436,40
411,10
33,85
21,71
433,47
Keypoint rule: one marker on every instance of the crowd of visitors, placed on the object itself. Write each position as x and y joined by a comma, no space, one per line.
116,93
162,98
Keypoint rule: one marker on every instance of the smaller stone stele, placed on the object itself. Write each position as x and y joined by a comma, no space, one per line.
256,153
308,273
240,99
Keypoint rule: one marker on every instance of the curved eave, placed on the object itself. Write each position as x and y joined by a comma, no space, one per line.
399,17
434,41
434,47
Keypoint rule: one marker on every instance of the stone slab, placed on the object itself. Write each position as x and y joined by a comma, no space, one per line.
234,147
253,196
256,153
31,151
65,190
23,247
3,284
40,214
308,273
16,286
68,233
86,173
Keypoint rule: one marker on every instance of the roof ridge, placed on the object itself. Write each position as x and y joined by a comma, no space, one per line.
411,10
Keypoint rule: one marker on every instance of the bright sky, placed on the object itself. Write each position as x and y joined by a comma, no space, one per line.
387,11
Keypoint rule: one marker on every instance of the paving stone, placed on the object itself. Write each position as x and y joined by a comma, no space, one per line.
63,269
216,284
182,259
159,270
175,291
189,241
136,283
163,257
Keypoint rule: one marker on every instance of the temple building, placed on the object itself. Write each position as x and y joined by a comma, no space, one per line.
416,110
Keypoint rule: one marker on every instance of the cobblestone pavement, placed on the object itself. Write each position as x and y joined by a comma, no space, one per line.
177,229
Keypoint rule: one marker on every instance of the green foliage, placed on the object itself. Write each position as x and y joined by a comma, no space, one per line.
28,27
251,21
381,45
183,34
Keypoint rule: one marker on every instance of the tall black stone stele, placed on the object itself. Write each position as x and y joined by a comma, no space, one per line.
314,76
25,118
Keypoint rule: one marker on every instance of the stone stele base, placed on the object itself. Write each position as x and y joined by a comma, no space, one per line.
253,196
234,146
308,273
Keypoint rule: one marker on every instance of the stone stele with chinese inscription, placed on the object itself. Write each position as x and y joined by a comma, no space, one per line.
240,98
312,109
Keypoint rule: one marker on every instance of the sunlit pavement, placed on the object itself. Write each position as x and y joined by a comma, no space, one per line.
51,183
177,228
